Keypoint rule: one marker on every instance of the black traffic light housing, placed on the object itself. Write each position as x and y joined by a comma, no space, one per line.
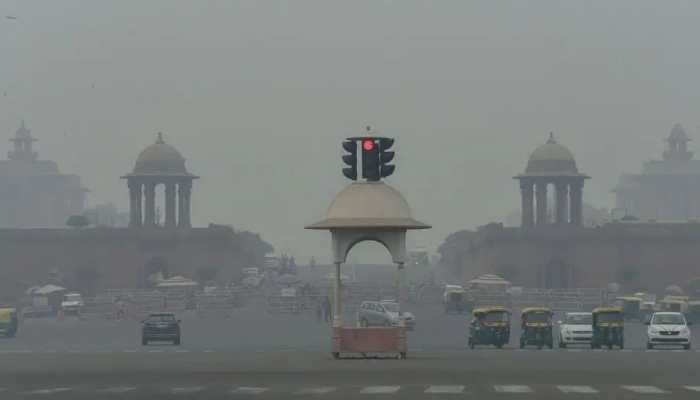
385,157
375,157
350,159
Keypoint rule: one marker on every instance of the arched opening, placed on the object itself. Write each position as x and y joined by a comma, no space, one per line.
369,261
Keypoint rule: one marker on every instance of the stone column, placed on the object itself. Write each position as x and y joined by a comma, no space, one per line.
170,194
337,309
562,198
541,193
400,291
184,193
527,203
150,193
134,203
576,192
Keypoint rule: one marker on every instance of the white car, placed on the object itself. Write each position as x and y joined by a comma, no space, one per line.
668,328
72,303
576,328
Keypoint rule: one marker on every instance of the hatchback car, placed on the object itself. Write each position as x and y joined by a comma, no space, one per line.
668,328
161,327
575,328
384,313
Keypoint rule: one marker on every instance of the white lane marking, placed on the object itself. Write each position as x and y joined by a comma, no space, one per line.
186,390
249,390
512,389
380,390
693,388
315,391
576,389
48,391
644,389
182,351
116,390
442,389
208,351
156,351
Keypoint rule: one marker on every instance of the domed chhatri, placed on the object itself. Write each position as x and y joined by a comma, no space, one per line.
551,159
160,158
369,205
552,164
160,163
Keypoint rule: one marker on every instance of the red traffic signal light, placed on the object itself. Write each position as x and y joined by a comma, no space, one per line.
368,144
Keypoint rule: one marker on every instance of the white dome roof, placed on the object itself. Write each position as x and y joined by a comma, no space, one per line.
369,205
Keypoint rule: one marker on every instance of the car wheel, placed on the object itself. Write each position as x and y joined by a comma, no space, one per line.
471,344
686,346
176,342
562,344
649,346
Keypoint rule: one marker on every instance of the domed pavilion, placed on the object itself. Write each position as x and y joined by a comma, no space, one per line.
552,164
160,164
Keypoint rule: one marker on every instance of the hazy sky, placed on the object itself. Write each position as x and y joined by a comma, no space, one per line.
258,94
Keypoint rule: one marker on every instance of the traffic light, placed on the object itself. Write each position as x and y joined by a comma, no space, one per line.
370,159
385,157
350,159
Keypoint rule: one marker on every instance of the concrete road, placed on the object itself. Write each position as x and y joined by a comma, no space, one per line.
255,354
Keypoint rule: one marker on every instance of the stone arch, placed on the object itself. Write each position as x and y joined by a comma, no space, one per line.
364,240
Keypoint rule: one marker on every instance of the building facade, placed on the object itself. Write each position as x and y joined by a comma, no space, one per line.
33,193
551,251
133,256
667,189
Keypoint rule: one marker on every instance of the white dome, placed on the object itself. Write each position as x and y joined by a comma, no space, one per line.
370,205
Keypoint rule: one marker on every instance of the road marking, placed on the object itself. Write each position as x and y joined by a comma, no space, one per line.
182,351
512,389
48,391
380,390
186,390
130,351
119,389
315,391
156,351
693,388
574,350
208,351
249,390
577,389
644,389
440,389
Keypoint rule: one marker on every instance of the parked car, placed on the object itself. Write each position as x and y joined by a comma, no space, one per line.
384,313
160,327
72,303
668,328
575,328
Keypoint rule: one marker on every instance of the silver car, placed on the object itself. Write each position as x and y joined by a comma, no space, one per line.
384,313
575,329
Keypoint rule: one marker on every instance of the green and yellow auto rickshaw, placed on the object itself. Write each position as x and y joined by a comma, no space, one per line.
631,307
8,321
489,326
536,327
693,312
608,328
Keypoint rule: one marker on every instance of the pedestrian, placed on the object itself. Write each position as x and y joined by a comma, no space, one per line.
319,310
327,309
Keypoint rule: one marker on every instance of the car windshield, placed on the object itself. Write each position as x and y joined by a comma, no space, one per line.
668,319
161,318
537,317
578,319
391,307
496,317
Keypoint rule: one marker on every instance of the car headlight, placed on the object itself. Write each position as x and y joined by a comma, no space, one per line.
685,331
653,331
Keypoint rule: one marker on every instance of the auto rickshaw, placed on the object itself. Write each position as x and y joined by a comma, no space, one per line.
608,328
631,307
455,301
536,324
8,321
693,312
646,310
490,326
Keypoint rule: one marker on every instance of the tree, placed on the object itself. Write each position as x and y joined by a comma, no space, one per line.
78,221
